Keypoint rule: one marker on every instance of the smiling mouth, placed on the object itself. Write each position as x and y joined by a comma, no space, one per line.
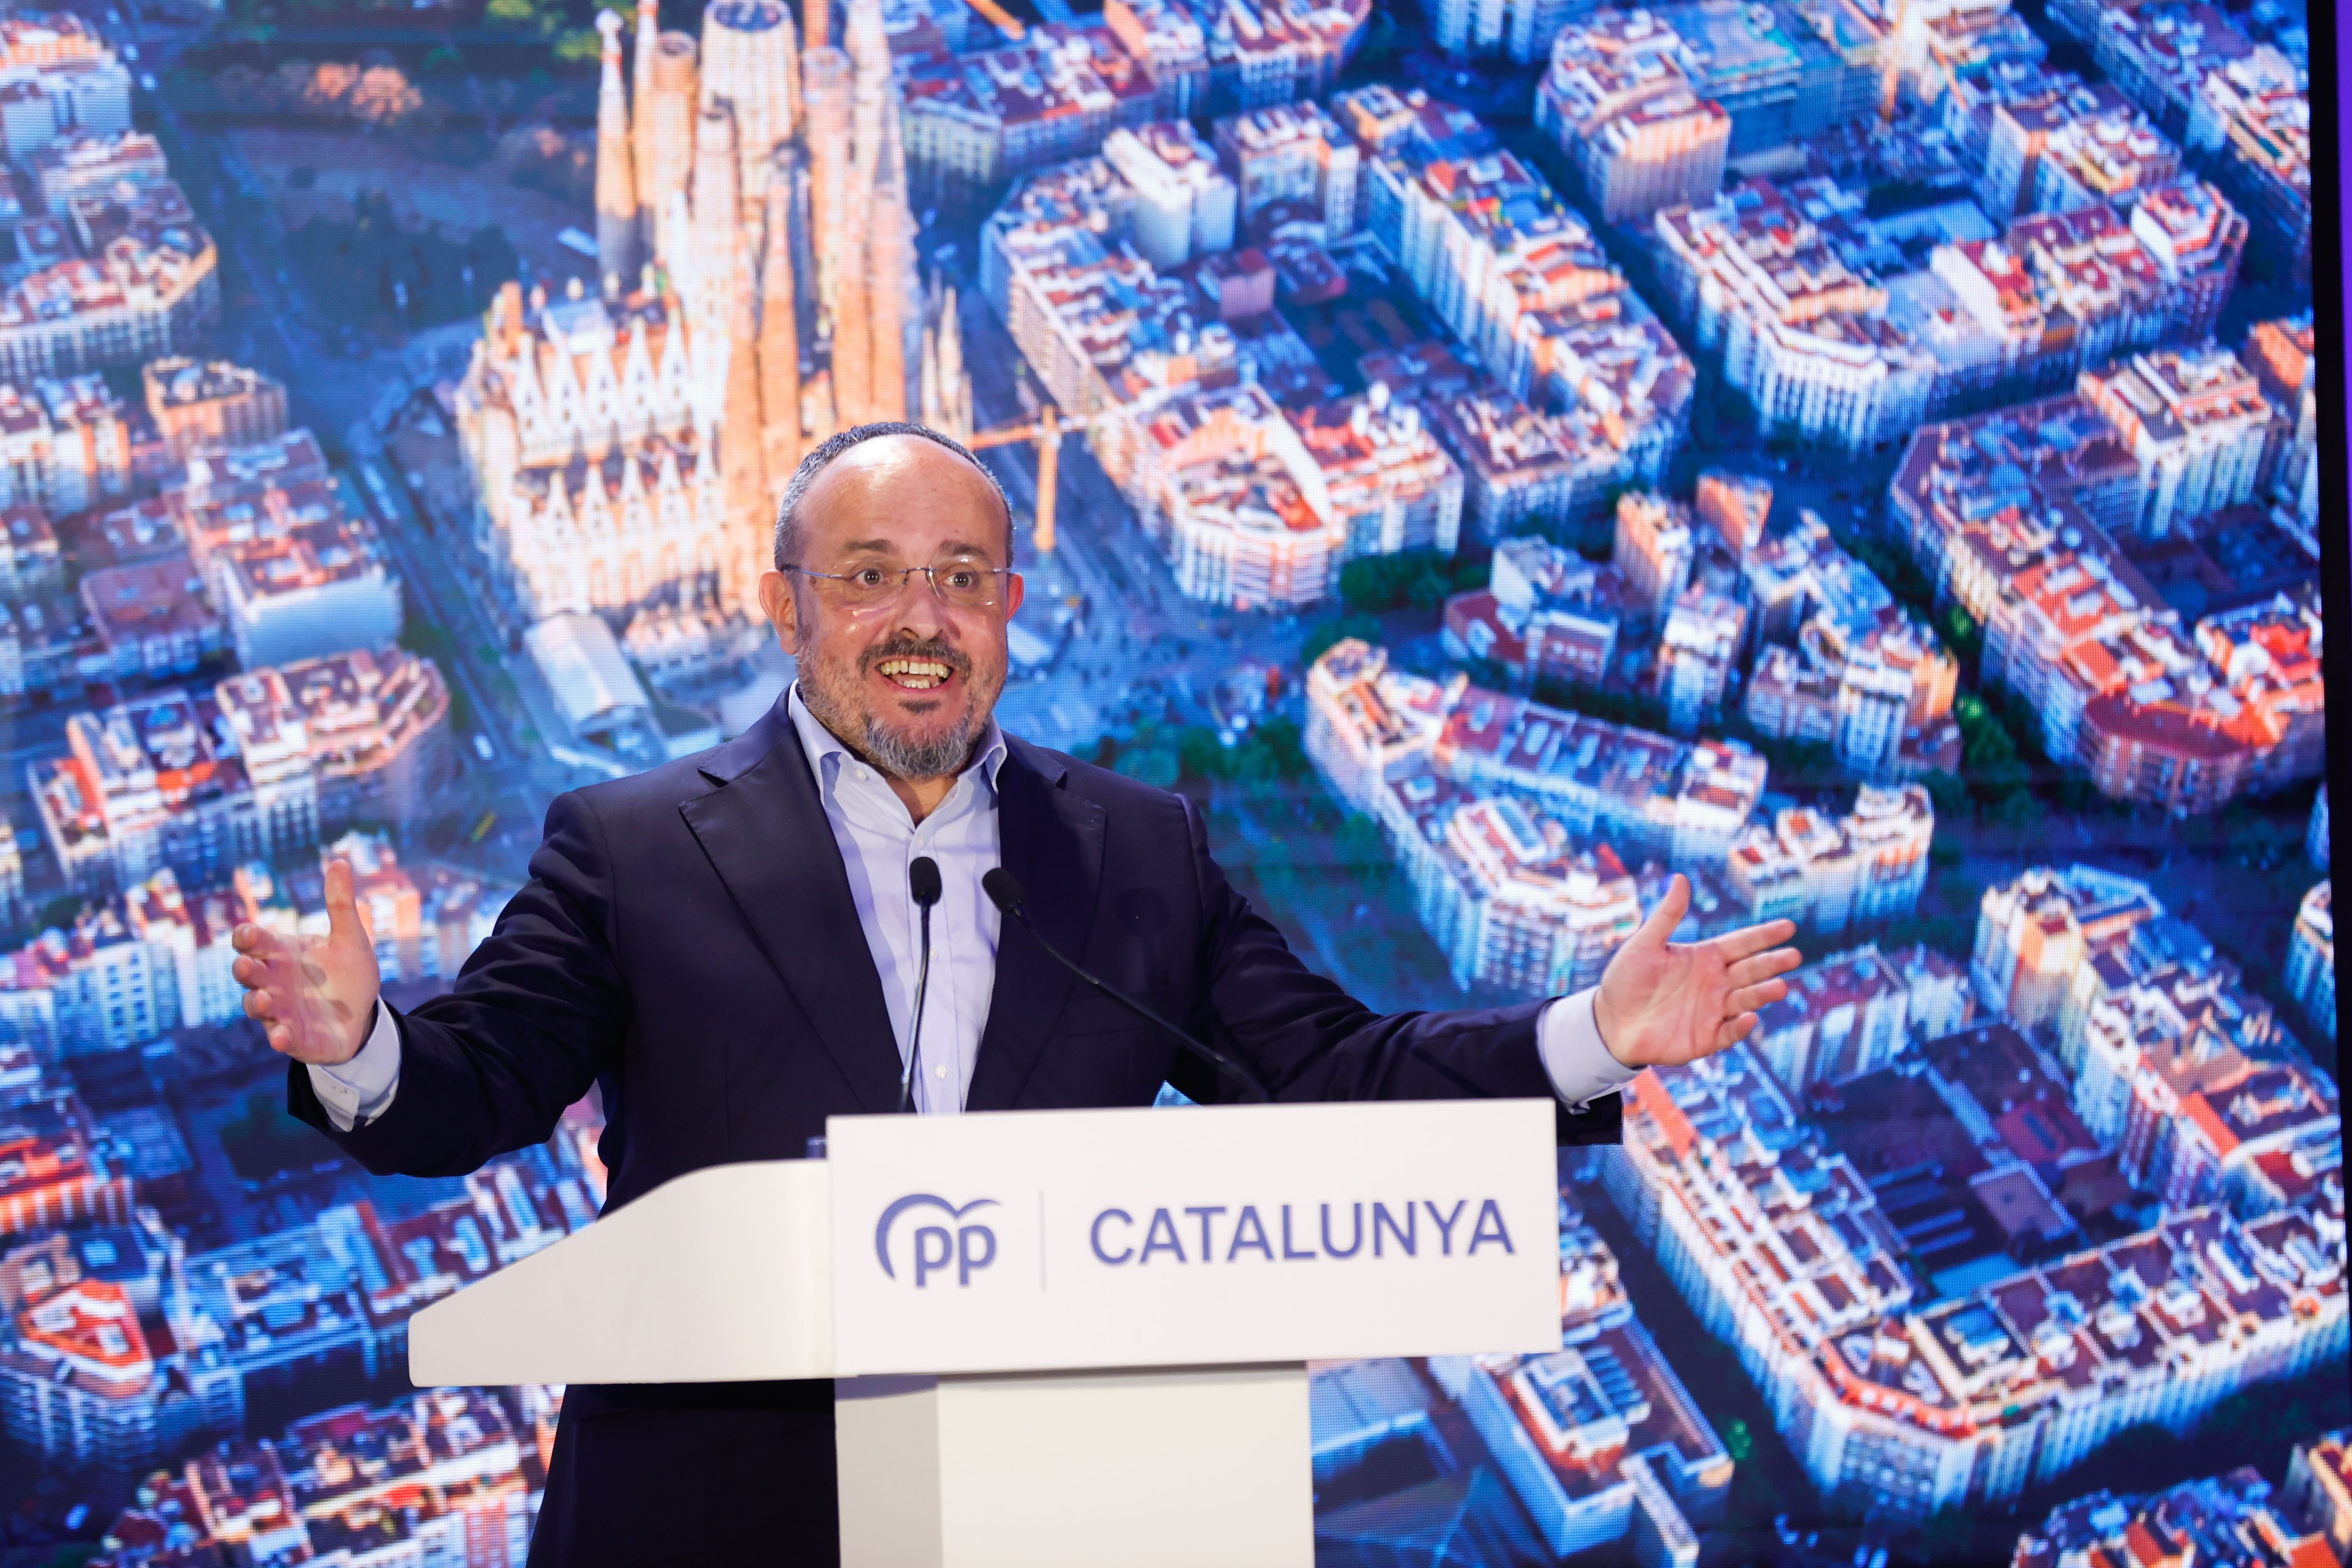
915,674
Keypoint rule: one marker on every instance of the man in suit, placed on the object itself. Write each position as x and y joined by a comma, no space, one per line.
727,946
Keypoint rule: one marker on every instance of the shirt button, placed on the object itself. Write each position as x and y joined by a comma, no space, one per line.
939,1072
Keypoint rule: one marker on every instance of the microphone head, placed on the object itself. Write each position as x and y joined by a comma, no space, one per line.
923,880
1003,889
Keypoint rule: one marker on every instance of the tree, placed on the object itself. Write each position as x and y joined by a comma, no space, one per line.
264,1141
2019,810
1363,849
1371,583
1415,579
1156,766
1274,752
1963,634
1951,1536
1951,793
1633,710
1984,740
1201,755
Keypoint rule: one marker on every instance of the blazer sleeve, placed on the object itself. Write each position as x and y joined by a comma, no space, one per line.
1310,1040
537,1013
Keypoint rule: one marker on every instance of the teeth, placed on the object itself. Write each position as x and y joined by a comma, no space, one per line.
917,674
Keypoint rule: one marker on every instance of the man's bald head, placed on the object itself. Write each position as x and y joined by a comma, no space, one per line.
791,534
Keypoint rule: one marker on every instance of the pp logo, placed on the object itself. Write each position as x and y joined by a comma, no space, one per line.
968,1248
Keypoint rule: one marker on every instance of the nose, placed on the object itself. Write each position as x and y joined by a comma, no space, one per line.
919,612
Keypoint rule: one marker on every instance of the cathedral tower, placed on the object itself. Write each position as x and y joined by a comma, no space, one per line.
892,283
780,332
665,124
642,88
750,60
742,460
825,78
945,404
853,330
616,179
708,266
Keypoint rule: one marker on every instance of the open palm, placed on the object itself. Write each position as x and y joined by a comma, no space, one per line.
314,997
1665,1002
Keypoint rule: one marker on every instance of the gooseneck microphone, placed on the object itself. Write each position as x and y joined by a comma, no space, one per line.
1003,890
923,887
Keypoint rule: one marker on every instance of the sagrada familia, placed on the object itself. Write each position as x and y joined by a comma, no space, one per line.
759,293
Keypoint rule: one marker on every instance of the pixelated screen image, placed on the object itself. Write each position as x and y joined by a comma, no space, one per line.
1860,454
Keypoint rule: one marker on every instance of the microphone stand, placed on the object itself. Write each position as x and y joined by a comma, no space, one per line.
923,886
1004,892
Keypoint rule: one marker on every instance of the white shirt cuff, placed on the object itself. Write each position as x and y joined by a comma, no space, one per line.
361,1089
1579,1062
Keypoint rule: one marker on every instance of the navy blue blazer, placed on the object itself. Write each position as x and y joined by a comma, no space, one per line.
687,942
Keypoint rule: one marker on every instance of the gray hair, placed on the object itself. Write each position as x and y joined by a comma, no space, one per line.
788,528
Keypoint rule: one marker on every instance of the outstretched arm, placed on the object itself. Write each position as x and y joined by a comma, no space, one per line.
539,1011
1663,1003
1660,1003
314,997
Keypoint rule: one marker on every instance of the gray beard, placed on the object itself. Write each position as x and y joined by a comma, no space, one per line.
893,754
901,757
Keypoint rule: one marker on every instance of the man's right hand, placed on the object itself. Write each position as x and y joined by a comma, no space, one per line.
314,995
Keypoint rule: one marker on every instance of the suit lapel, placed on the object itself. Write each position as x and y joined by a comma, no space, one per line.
765,832
1052,841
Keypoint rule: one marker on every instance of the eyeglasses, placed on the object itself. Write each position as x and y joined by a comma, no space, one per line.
960,585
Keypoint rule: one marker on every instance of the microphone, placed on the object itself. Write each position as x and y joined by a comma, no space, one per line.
1003,890
923,887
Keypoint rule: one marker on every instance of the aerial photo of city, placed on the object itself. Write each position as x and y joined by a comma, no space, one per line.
1494,455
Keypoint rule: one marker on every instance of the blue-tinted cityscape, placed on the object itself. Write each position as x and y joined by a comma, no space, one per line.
1862,455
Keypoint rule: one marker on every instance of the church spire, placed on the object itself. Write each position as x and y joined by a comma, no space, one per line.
742,462
641,148
825,89
955,382
711,253
892,280
664,121
853,324
616,182
780,333
751,62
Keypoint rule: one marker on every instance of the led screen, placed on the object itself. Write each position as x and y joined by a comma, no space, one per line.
1858,455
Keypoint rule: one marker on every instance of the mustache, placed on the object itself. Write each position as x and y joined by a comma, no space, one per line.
917,648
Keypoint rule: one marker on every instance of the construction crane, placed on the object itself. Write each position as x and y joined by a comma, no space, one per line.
1891,84
1047,432
995,15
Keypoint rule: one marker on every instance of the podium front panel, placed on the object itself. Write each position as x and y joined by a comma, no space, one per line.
1025,1240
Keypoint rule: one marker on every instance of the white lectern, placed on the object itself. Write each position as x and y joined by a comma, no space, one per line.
1061,1337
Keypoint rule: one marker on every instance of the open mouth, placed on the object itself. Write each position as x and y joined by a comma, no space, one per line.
915,674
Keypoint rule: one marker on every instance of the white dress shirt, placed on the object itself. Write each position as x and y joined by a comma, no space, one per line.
878,838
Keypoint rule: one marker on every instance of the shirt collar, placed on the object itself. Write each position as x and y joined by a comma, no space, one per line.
820,743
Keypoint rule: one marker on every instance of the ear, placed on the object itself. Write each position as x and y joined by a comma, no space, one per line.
779,599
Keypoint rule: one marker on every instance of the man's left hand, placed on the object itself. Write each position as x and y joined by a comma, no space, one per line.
1665,1003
